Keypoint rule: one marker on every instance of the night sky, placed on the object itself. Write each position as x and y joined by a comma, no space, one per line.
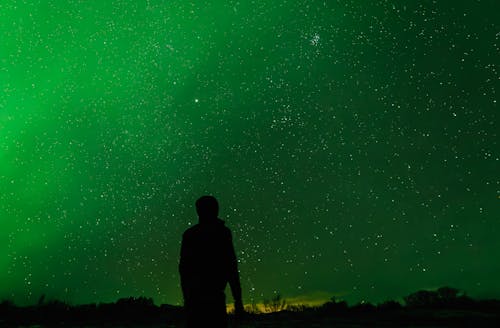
353,145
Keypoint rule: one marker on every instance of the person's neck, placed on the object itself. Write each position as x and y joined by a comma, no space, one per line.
207,219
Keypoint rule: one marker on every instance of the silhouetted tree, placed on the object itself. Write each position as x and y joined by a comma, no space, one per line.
442,297
448,294
422,298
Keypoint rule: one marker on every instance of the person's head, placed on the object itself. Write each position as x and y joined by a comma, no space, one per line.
207,207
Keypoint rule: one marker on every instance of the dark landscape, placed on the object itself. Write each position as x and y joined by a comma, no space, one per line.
347,153
445,307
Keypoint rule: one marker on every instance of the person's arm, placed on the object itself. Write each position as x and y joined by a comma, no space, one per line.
182,267
234,278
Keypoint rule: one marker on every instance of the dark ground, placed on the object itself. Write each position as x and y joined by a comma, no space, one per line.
445,307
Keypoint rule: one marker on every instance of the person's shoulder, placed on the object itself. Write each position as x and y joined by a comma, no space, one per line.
191,230
221,224
225,230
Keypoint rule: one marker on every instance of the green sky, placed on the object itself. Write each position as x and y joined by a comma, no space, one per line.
353,145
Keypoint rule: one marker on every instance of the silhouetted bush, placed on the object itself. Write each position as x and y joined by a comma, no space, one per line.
298,308
334,306
275,304
252,309
143,311
421,298
444,297
447,293
363,307
126,310
390,306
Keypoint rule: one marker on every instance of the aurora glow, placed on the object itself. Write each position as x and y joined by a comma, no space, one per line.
353,145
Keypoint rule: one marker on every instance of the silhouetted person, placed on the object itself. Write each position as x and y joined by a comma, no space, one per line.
207,264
